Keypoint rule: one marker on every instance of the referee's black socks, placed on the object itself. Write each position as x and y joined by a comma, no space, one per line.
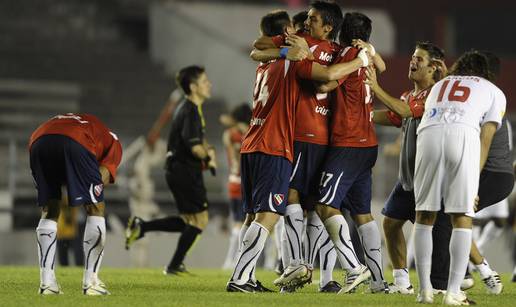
186,240
168,224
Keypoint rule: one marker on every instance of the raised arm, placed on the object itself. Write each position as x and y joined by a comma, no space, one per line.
264,42
396,105
377,59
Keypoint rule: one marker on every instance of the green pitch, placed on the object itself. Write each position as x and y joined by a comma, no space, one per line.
148,287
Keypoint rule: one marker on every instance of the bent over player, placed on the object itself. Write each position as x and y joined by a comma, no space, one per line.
79,152
462,113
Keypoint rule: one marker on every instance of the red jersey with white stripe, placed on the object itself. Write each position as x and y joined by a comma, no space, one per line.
352,123
416,104
234,180
313,110
276,96
88,131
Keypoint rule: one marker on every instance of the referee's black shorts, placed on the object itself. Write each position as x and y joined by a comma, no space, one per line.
187,186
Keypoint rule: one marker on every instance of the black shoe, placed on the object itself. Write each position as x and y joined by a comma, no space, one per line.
180,270
331,287
278,269
513,278
260,288
248,287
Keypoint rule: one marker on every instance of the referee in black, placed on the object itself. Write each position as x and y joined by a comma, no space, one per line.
188,154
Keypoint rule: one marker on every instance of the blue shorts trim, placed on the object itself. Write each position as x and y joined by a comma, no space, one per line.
345,181
401,204
308,160
265,181
57,160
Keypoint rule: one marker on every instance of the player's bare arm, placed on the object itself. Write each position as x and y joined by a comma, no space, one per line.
105,174
378,61
265,55
396,105
339,71
487,132
380,117
264,42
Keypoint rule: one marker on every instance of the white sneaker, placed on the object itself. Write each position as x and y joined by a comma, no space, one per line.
394,288
50,289
467,283
493,283
294,275
354,279
94,290
457,299
425,297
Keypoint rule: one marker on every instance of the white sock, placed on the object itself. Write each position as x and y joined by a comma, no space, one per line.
410,249
372,243
401,277
488,234
314,231
233,248
294,229
460,245
46,236
252,247
241,235
285,257
278,229
423,247
338,231
484,269
475,232
327,258
93,244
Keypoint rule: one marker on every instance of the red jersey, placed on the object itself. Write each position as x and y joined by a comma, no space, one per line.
352,124
234,180
276,95
313,110
88,131
416,104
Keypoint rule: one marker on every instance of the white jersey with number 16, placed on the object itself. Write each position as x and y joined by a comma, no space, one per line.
466,100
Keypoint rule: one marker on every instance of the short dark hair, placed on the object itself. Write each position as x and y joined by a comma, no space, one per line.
355,25
331,15
434,53
494,62
242,113
472,63
187,76
274,23
300,18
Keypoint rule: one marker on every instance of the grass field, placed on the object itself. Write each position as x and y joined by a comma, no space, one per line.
148,287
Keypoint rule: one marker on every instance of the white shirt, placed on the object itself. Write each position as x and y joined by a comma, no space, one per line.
467,100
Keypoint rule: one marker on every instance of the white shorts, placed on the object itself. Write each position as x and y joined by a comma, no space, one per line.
498,210
447,167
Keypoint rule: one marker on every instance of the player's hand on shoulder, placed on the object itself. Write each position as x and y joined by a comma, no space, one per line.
360,44
297,41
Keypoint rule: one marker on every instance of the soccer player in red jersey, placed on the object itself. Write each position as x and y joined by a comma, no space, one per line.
79,152
346,175
424,70
237,123
310,142
267,153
